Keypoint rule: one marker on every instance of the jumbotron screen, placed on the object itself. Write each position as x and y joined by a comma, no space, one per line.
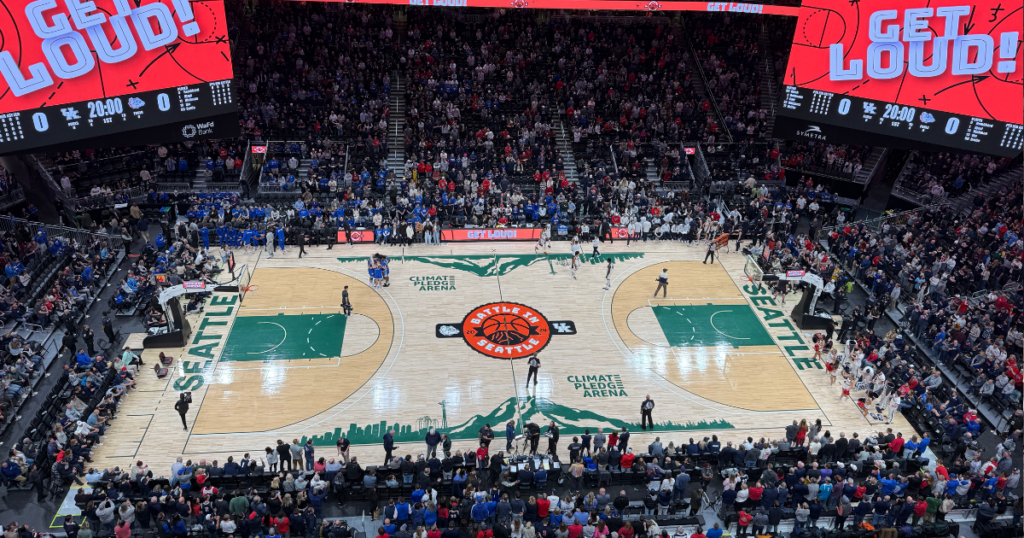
907,73
76,69
599,5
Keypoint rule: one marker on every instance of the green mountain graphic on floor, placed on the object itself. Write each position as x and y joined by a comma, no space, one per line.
483,265
541,411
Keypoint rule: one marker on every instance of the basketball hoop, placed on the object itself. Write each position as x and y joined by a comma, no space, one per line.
250,288
753,272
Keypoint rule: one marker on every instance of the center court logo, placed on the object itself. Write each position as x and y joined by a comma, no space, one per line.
505,330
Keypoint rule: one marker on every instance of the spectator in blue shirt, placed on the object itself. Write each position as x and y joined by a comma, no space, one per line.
84,360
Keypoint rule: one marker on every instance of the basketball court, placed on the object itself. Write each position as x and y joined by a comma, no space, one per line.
444,346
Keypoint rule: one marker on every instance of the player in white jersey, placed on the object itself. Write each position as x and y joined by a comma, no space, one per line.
575,246
596,254
608,274
575,263
544,241
894,405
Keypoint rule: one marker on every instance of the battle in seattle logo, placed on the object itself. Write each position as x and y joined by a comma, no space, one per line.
505,330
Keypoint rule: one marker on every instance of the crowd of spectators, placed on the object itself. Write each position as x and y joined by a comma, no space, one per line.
631,87
957,283
96,377
317,73
47,283
806,474
97,179
93,176
591,207
477,105
840,160
938,175
728,48
481,101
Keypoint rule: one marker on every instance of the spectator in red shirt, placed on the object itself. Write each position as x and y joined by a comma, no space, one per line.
543,505
896,446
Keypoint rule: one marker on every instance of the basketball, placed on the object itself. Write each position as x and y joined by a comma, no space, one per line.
506,329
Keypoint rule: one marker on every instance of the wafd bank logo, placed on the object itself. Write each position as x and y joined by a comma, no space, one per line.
505,330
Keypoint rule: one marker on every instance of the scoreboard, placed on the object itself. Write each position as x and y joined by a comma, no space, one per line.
76,69
906,73
831,117
47,126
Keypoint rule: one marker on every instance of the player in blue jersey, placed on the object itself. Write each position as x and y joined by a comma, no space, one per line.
280,238
247,236
384,261
376,274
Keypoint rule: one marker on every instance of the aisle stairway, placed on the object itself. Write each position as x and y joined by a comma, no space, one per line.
396,128
768,92
870,163
1005,179
651,169
563,138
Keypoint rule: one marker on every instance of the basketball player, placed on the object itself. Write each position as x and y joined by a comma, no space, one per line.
247,240
712,229
384,261
534,364
596,254
544,241
608,274
574,245
575,264
891,407
378,275
877,386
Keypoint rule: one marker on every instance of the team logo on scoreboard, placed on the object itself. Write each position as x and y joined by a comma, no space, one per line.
135,103
505,330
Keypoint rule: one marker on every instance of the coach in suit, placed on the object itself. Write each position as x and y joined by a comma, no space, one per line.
389,445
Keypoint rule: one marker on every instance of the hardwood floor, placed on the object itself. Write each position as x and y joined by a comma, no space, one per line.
717,356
